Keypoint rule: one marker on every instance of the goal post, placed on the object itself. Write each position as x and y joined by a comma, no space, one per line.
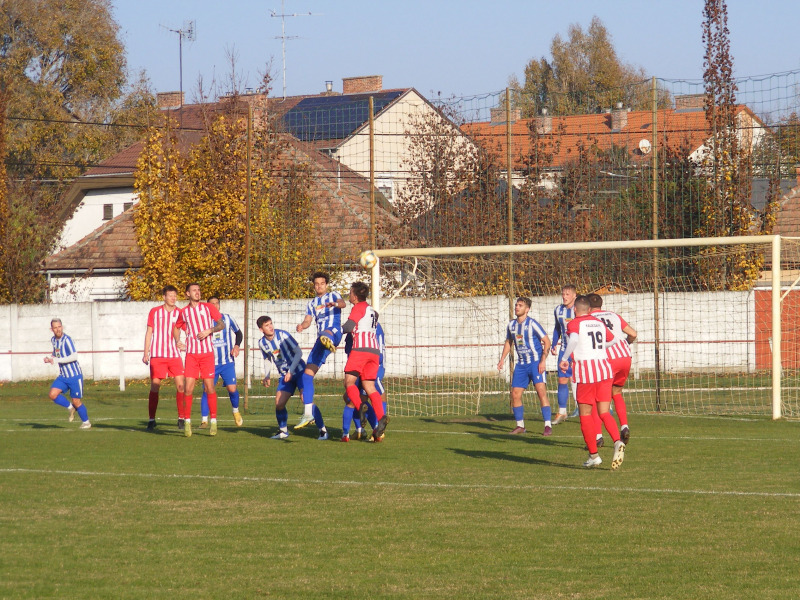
719,334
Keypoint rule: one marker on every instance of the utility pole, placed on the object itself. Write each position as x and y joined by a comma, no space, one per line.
283,37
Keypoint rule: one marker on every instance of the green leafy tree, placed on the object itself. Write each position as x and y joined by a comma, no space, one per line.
63,85
583,73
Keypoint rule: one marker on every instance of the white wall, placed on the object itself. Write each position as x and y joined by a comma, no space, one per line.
89,214
700,332
87,289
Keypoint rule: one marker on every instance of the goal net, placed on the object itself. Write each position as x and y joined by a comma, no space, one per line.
703,310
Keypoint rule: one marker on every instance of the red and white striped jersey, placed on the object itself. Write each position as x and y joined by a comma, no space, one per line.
365,337
193,320
590,354
162,321
615,323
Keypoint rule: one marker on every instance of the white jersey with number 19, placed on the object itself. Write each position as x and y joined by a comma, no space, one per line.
590,356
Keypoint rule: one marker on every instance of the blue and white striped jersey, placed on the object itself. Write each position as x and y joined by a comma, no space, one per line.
224,341
326,317
282,350
563,316
62,348
527,340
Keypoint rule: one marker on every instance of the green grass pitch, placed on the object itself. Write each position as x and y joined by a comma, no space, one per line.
445,507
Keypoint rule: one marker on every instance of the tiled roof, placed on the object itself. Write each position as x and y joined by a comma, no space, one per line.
110,246
678,130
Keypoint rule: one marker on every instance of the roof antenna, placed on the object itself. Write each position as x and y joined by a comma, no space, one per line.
283,37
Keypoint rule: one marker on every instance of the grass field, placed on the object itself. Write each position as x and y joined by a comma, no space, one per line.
446,507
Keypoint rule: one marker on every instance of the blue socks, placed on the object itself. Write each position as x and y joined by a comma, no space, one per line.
318,417
308,388
519,413
234,399
563,395
83,413
62,401
547,413
283,418
347,416
204,405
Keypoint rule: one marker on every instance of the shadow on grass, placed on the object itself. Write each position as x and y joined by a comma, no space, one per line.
526,460
40,426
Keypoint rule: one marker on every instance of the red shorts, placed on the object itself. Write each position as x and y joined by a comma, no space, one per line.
591,393
621,368
200,366
364,363
165,367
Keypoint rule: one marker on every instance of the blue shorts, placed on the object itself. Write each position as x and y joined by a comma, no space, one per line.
73,384
378,382
568,372
526,374
320,353
227,372
295,383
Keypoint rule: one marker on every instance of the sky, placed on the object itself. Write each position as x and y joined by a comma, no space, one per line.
447,47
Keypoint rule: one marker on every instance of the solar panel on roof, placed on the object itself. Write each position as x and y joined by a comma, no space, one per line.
334,117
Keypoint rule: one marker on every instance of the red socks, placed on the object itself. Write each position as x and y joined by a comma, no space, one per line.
152,404
621,409
589,432
353,395
377,404
212,406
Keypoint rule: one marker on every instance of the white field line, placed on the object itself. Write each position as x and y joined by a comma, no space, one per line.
442,486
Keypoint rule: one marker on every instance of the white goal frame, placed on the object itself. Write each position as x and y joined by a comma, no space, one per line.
773,240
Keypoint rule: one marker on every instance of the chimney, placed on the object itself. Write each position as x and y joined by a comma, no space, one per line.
619,117
498,114
543,123
169,99
360,85
690,102
329,86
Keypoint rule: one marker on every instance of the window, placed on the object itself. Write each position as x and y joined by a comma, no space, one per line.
108,212
127,205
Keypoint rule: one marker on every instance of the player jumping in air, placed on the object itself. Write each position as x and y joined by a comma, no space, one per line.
619,355
279,347
364,360
326,310
162,354
226,348
70,375
587,341
199,320
532,345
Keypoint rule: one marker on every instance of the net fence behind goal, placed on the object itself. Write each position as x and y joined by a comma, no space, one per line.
705,337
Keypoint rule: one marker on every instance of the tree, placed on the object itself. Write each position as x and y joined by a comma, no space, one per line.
583,74
63,86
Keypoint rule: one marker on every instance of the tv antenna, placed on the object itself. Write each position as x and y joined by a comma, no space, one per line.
187,32
283,37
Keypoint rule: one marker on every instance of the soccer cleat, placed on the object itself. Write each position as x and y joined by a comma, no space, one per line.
281,435
600,442
593,461
187,429
151,425
72,412
180,424
345,438
362,412
304,420
359,433
213,429
547,431
378,431
619,455
203,425
625,435
560,418
328,343
323,435
85,425
517,430
237,417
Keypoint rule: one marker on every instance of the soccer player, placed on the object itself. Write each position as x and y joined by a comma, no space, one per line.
532,345
364,359
349,414
162,354
564,313
70,376
587,342
199,320
226,348
326,310
619,355
279,347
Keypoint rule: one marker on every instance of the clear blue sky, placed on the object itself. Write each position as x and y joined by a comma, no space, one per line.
456,47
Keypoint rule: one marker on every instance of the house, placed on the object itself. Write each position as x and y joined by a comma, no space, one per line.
92,268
